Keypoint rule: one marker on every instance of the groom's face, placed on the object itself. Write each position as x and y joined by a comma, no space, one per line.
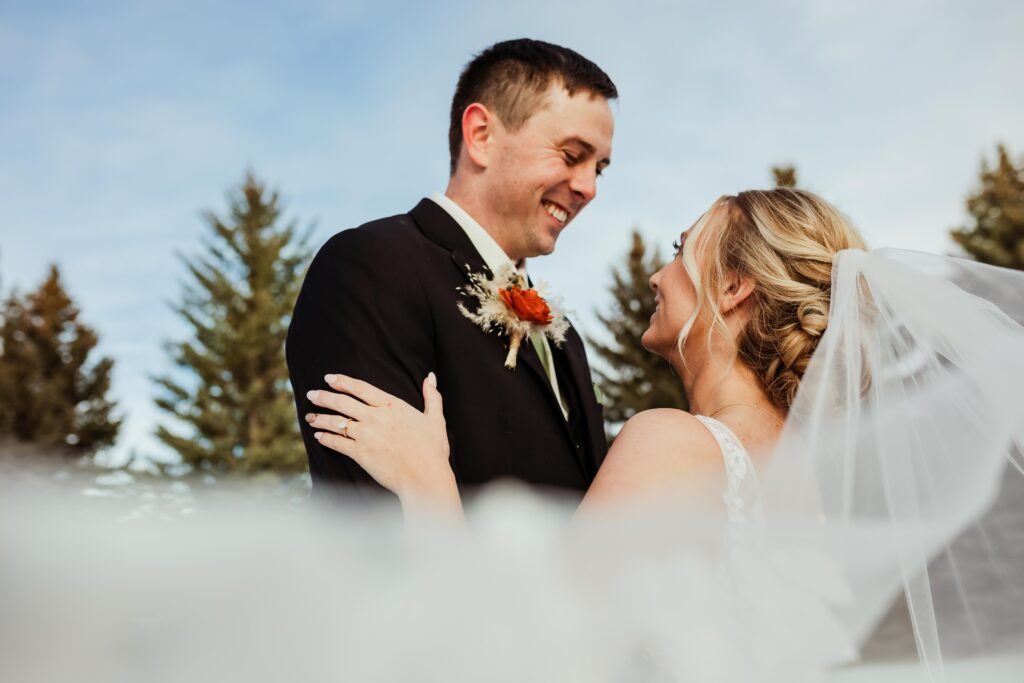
542,175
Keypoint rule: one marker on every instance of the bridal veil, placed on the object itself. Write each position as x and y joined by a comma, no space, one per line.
905,441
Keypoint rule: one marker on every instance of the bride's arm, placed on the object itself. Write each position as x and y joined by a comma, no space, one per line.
660,452
404,449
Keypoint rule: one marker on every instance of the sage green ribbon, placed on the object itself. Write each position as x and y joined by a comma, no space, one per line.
537,339
544,353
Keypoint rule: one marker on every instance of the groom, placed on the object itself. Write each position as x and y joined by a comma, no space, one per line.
531,129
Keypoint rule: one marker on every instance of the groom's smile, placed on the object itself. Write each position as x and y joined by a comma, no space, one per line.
560,214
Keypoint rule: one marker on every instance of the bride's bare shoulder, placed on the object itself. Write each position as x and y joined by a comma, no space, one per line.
656,449
657,424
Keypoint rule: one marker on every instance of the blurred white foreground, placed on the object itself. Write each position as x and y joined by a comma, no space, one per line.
238,591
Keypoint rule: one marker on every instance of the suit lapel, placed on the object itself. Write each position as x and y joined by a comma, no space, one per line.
575,357
439,227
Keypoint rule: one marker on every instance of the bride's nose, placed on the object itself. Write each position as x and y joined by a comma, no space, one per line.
653,281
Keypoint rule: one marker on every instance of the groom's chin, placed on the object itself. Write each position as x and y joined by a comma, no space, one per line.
544,247
547,240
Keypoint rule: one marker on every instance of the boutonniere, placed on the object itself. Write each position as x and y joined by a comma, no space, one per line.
508,305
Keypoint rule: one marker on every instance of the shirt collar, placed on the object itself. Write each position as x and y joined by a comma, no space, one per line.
490,251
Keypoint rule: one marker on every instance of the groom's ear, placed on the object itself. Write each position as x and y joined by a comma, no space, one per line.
478,125
737,289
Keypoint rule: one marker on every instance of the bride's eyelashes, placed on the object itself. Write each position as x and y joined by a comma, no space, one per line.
677,245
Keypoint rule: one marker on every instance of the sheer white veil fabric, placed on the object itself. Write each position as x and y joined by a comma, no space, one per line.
897,474
909,416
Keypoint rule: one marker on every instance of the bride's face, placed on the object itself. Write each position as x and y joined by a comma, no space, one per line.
676,300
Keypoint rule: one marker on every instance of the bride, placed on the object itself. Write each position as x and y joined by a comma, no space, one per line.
862,404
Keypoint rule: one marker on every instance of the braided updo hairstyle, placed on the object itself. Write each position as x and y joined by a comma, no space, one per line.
784,240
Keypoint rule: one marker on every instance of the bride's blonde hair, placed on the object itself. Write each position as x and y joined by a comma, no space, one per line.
784,240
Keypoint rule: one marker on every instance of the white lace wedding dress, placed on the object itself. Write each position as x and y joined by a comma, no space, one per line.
742,498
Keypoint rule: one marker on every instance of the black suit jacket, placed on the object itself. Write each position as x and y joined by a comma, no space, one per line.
379,303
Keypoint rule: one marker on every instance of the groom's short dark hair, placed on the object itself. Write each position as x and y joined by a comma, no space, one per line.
510,78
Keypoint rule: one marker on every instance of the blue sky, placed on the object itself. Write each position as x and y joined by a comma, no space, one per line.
120,122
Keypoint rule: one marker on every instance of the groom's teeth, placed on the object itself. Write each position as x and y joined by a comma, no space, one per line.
559,214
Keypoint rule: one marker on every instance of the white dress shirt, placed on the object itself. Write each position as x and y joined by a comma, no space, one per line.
495,257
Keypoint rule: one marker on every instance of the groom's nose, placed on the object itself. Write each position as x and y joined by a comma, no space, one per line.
583,182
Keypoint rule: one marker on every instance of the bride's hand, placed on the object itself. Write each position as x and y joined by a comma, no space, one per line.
404,449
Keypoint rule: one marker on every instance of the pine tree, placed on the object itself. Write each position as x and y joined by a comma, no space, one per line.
637,380
237,404
785,176
997,209
50,395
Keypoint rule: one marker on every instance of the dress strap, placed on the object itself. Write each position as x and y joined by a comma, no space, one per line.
742,497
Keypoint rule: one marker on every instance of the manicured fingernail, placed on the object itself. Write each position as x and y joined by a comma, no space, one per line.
318,435
432,380
330,378
310,417
311,395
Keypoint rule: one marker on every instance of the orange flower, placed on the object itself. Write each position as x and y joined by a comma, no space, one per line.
527,304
